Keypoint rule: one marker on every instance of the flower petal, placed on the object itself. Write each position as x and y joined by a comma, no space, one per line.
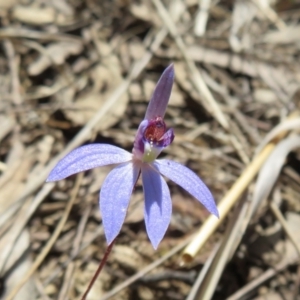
168,138
114,197
160,98
88,157
188,180
158,205
138,146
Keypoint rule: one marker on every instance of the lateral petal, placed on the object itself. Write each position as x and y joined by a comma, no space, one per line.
158,205
114,197
88,157
188,180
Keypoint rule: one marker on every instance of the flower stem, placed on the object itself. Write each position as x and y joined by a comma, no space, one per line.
101,265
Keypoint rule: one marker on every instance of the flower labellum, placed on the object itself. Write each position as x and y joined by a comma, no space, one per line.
151,138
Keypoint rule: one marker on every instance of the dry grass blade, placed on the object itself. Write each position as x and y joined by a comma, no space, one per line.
235,230
14,64
202,17
270,13
7,123
209,284
285,226
271,169
146,270
36,35
209,102
225,205
287,35
68,280
57,271
260,279
228,201
193,294
288,124
22,262
243,15
8,241
34,15
239,222
51,241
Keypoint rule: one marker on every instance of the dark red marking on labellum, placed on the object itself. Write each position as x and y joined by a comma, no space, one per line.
155,130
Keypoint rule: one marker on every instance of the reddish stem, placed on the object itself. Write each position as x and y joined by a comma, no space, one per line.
101,265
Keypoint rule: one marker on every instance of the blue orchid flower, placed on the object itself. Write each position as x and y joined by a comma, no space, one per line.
151,138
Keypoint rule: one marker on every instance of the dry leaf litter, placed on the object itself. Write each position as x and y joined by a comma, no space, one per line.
75,72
